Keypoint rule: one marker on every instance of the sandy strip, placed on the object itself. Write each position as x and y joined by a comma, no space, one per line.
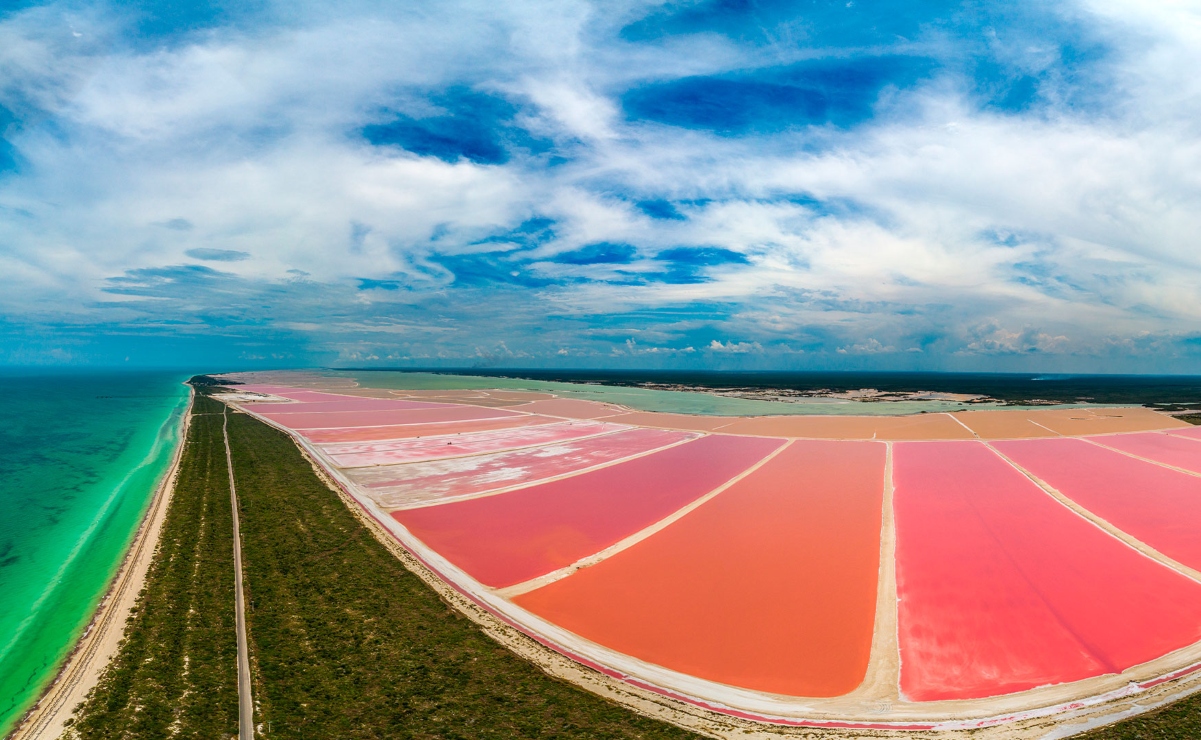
882,682
91,655
245,699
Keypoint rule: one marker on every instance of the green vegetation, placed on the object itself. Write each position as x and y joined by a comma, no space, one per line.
175,673
209,383
347,643
1194,419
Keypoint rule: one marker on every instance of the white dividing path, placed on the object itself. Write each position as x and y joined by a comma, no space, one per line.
245,701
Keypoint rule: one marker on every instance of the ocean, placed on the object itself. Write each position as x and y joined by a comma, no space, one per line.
80,457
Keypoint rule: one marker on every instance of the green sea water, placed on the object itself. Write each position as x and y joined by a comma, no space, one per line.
80,457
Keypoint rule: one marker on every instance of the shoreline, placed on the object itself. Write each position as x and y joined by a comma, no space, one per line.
85,663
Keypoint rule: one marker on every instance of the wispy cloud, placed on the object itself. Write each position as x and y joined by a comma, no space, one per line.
217,255
941,186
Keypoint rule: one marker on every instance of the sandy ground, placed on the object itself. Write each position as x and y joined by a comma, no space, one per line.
84,666
245,699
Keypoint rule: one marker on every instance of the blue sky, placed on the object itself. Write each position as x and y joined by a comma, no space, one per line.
712,184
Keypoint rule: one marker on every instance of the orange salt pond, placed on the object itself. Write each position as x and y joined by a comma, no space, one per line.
771,585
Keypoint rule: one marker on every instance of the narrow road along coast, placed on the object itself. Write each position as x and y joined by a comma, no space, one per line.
245,701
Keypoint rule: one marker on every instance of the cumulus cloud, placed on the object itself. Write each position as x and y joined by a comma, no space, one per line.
737,348
441,183
871,347
992,338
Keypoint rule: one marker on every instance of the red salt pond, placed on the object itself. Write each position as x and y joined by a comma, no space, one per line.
1181,452
771,585
457,444
427,482
335,419
513,537
1001,588
1158,506
413,431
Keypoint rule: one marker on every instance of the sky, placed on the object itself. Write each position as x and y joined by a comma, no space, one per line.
999,186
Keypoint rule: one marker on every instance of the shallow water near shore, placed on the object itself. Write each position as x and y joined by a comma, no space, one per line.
80,457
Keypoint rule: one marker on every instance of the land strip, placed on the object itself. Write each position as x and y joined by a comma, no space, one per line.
245,699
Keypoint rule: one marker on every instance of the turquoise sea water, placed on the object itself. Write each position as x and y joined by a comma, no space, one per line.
80,456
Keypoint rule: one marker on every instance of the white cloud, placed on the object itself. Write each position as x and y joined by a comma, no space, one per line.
965,230
871,347
991,338
737,348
